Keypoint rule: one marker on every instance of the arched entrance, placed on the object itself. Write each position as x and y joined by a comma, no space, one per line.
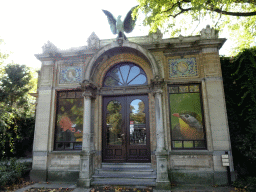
125,125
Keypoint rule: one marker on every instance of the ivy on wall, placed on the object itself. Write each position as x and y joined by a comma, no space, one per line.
239,77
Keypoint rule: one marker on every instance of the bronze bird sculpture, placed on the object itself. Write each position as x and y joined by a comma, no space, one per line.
119,27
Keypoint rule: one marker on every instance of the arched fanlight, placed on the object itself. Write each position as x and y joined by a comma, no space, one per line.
125,74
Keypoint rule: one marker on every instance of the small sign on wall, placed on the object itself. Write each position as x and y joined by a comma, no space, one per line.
225,160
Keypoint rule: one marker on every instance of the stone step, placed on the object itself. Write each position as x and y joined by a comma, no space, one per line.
129,175
126,165
125,182
124,170
125,174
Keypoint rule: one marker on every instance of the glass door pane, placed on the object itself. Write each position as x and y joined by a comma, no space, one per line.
114,123
137,123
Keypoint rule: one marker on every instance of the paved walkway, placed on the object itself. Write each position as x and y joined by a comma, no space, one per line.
202,189
174,189
53,186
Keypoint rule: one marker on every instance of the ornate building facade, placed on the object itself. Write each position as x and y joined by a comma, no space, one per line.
145,110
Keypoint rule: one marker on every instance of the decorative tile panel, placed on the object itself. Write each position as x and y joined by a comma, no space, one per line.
186,67
70,74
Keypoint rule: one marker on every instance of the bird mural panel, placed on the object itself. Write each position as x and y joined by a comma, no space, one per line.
189,127
186,118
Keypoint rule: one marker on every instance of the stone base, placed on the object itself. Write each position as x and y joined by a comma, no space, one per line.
221,178
86,169
84,183
163,185
162,180
38,175
185,177
200,178
63,176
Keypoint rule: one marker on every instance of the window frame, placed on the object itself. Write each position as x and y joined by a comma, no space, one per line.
202,112
118,65
57,96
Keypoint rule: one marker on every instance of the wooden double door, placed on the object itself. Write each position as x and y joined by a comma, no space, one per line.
126,133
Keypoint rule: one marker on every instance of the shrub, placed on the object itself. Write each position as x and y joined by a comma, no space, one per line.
11,171
246,183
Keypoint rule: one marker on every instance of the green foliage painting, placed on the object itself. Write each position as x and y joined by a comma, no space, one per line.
186,116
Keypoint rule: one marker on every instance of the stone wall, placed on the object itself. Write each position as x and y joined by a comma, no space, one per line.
191,169
63,166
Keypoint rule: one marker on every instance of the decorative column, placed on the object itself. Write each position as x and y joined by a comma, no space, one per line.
86,156
162,180
159,120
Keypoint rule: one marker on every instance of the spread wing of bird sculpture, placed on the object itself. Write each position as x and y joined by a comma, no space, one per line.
189,127
119,27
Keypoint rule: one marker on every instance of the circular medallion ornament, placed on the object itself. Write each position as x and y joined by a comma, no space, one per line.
182,67
71,75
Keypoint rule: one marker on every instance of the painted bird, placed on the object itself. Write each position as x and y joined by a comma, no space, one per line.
189,128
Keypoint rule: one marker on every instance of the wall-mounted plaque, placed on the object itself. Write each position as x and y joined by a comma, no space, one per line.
186,67
70,74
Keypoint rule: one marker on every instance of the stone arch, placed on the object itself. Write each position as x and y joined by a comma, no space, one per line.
126,44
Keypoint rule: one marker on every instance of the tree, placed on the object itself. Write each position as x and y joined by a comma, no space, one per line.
14,85
3,57
181,17
17,118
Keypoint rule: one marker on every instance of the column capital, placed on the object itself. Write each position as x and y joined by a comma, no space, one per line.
156,85
89,89
157,91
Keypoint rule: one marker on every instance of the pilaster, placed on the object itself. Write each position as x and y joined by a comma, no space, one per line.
42,125
86,156
162,181
156,85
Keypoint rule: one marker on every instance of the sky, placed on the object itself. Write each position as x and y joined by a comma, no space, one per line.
26,25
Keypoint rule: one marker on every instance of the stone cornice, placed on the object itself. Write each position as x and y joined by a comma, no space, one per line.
193,47
193,44
58,56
